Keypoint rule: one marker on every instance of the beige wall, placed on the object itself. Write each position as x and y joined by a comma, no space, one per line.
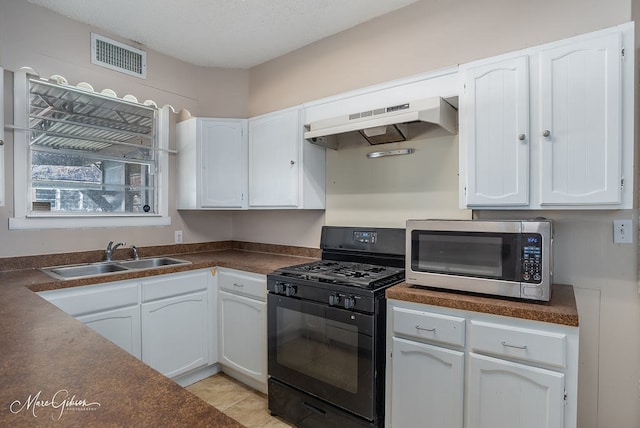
52,44
424,36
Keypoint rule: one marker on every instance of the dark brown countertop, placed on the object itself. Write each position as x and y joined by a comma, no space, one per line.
47,355
561,309
50,362
249,261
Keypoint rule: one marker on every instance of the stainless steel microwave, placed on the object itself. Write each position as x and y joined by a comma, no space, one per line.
510,258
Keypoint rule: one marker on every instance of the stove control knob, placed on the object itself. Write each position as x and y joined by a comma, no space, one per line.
290,290
279,288
349,302
334,299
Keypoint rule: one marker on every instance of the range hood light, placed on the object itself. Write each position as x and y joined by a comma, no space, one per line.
373,155
375,131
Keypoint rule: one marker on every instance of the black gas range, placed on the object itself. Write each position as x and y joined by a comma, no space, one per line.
326,329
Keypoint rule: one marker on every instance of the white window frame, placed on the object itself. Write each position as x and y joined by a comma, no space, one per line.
22,219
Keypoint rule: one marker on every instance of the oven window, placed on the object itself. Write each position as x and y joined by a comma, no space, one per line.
480,255
320,348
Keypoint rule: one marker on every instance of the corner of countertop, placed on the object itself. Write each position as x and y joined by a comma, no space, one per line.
561,309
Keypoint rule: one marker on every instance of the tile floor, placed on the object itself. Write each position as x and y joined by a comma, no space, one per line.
245,405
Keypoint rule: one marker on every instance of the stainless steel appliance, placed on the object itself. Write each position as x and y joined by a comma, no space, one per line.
510,258
326,329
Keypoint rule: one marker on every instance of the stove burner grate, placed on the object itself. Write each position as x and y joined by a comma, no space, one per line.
346,273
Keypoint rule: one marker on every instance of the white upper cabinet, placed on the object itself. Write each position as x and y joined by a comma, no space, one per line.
212,163
285,171
551,126
580,120
274,160
259,163
495,129
2,197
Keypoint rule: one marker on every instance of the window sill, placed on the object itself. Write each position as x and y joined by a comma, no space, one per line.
86,222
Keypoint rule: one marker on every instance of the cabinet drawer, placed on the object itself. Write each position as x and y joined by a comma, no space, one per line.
428,326
244,283
520,343
174,285
94,298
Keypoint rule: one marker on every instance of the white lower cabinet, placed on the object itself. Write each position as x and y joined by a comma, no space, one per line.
175,323
458,368
167,321
428,384
111,309
242,321
507,394
121,326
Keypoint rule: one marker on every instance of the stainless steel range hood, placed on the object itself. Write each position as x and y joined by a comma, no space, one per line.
387,124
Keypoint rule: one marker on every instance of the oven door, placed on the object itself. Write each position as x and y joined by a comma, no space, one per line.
324,351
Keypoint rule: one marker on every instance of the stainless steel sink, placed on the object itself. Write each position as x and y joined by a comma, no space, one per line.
106,268
80,271
152,262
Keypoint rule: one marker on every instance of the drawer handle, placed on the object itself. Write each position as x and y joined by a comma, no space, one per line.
425,329
513,346
235,284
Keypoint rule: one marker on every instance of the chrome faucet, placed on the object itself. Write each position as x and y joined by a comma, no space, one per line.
134,250
111,248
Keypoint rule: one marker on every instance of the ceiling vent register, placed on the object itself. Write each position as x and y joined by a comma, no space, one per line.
118,56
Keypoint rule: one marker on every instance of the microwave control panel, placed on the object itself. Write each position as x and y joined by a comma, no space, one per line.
531,258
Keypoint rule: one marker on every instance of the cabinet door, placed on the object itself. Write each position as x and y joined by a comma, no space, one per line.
427,385
243,335
580,129
223,160
2,198
274,159
121,326
503,394
495,130
174,333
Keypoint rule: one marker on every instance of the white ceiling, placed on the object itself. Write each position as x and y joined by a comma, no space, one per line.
223,33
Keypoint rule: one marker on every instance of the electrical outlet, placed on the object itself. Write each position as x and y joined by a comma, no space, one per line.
622,231
177,237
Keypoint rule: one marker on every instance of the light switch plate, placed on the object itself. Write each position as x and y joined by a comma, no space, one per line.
623,231
177,237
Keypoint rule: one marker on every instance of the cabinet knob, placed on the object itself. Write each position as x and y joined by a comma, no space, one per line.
522,137
1,142
293,162
546,133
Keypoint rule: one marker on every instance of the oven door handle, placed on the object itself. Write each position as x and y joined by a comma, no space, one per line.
363,321
314,409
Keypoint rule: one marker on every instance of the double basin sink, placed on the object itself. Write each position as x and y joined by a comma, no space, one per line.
104,268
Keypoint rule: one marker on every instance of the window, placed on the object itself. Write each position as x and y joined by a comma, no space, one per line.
86,156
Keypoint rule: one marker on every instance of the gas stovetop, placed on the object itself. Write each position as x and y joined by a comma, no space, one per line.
357,265
363,275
